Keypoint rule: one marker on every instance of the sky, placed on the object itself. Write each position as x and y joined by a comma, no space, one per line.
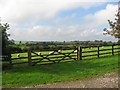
58,20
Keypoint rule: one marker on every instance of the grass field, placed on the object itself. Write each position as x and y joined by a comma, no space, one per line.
24,75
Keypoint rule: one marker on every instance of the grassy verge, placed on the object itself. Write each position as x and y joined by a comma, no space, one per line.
24,75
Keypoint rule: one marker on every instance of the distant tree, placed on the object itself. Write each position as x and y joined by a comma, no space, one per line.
114,29
20,42
27,43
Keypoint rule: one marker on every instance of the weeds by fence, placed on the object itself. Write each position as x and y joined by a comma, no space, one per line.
60,55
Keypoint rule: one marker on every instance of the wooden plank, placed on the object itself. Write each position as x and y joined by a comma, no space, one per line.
19,63
117,52
105,49
57,60
89,51
61,56
90,55
116,48
105,53
19,58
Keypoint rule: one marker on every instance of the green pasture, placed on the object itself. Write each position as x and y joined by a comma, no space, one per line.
24,75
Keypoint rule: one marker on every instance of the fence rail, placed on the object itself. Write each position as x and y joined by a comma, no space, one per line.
76,53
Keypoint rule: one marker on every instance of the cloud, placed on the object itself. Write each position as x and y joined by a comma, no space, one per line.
16,11
66,33
99,18
88,30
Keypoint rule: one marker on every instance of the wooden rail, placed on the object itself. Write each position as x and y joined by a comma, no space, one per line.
102,51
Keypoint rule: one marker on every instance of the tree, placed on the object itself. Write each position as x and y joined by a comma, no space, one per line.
114,29
4,38
20,42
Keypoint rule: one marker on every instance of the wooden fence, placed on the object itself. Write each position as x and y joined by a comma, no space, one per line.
76,53
55,56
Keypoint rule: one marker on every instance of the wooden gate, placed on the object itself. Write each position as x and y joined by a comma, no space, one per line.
55,56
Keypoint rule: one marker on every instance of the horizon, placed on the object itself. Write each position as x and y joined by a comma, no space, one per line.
67,41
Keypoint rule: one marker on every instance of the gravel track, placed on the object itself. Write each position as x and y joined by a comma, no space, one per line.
109,80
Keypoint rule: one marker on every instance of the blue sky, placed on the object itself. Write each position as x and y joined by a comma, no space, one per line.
63,20
79,13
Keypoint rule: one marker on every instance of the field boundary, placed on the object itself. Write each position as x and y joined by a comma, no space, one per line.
76,53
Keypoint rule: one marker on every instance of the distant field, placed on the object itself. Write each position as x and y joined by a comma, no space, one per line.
24,75
18,42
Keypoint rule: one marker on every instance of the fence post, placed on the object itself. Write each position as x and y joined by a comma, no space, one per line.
112,49
98,52
79,53
10,60
29,57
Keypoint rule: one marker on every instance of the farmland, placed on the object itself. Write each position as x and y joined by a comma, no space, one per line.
24,75
21,75
50,42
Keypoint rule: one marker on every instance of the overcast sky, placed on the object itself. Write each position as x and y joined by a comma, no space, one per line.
59,20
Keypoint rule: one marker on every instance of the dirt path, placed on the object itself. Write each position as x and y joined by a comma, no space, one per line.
109,80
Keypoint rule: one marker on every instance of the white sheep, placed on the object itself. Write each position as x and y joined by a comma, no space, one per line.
39,53
51,52
75,51
18,55
60,51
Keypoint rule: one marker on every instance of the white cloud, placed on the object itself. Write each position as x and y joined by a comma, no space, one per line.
36,10
100,17
44,33
31,10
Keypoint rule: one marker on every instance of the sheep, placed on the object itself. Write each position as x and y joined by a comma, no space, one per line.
39,53
75,51
60,51
18,55
51,52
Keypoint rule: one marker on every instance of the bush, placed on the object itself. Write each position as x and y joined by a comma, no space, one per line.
15,49
24,49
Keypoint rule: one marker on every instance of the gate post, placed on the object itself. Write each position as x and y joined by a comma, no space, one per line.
29,57
112,49
79,53
98,51
10,59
